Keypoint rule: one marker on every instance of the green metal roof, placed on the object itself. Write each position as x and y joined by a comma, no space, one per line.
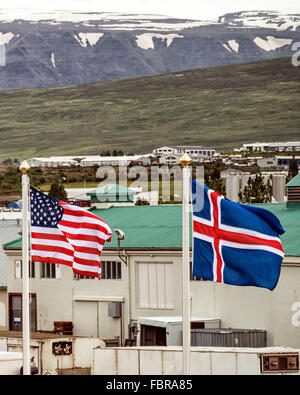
112,193
160,226
289,217
145,226
112,189
15,244
294,182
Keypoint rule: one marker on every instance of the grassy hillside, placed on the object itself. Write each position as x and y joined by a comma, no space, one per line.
221,107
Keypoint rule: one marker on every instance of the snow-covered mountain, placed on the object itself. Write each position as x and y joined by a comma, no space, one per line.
39,48
266,19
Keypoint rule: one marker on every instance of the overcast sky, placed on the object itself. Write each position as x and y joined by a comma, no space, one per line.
194,9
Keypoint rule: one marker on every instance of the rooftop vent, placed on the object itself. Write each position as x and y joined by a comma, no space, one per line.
293,194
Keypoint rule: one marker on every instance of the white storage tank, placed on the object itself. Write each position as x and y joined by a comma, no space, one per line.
232,188
278,187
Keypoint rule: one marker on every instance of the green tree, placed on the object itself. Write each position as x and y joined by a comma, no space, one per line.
293,168
218,185
57,191
257,191
213,180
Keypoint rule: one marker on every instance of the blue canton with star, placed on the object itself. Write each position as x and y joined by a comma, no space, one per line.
45,210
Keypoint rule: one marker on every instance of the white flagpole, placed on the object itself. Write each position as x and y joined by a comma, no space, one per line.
24,169
186,330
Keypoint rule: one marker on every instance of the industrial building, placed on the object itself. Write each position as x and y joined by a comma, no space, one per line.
140,279
192,150
138,301
272,147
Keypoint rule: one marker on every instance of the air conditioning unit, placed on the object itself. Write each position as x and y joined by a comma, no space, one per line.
114,309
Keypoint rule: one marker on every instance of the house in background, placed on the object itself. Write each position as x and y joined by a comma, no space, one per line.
193,150
112,194
115,195
89,160
271,147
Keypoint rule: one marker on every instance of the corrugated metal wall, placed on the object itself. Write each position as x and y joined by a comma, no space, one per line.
229,337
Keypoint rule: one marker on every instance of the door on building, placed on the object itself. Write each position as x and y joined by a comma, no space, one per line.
153,336
86,319
91,319
15,312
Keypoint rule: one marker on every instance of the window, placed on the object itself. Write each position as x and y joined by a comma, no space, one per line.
50,270
18,269
15,312
81,277
155,285
111,270
32,269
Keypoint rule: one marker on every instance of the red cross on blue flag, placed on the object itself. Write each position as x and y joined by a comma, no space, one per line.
234,243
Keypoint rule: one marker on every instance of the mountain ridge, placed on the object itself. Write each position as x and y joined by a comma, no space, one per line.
48,50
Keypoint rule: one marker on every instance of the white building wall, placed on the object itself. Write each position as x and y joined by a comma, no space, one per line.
151,289
10,363
41,350
3,309
277,312
168,361
58,299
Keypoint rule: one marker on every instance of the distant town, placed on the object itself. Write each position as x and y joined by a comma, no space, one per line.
170,155
227,173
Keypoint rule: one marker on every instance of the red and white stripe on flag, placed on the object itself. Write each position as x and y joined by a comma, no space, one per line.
76,241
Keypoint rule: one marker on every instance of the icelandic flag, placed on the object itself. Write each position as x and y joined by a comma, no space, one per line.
234,243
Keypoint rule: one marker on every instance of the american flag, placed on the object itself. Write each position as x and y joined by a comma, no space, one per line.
65,234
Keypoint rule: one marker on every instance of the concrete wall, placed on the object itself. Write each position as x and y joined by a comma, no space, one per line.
168,361
81,357
276,311
41,349
10,363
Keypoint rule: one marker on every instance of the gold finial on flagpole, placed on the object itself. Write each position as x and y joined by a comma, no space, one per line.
185,160
24,167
